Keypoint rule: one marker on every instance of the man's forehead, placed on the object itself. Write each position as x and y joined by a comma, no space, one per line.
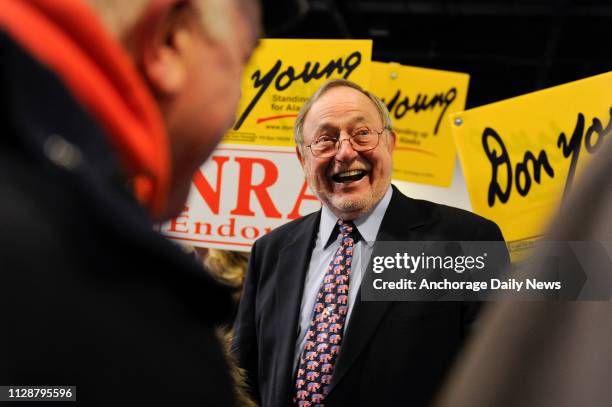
341,106
328,123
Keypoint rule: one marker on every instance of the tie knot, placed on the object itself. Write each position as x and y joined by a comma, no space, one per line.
346,228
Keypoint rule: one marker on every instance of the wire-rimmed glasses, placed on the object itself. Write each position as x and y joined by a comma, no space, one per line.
363,139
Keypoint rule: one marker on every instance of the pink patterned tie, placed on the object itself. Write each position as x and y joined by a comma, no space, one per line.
325,333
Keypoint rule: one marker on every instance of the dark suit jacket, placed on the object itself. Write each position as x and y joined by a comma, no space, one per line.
393,353
90,295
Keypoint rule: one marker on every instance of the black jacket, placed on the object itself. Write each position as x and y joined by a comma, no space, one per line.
90,295
393,353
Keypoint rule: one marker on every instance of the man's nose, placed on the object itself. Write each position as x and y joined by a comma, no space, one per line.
345,150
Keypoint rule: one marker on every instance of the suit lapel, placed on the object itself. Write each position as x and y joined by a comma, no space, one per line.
293,263
399,222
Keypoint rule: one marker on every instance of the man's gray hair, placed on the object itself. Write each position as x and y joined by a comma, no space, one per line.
298,134
119,15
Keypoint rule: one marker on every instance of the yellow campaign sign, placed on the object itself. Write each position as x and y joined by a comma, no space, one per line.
420,101
282,75
520,156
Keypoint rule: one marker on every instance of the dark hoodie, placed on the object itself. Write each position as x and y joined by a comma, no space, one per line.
90,295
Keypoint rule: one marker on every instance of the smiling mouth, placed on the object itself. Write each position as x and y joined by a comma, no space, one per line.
349,176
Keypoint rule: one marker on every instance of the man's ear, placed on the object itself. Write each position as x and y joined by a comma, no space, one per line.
163,50
300,156
391,140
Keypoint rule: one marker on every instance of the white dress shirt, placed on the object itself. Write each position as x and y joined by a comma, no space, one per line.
367,226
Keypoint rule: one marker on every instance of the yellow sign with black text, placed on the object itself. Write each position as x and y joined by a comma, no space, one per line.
282,74
521,156
420,101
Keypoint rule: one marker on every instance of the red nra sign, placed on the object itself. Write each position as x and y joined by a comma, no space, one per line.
240,194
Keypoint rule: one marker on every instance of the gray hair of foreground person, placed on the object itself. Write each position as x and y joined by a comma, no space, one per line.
119,15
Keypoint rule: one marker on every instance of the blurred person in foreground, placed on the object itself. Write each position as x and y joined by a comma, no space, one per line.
229,268
108,108
303,334
554,353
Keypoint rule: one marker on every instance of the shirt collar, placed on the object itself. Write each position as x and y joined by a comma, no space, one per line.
367,224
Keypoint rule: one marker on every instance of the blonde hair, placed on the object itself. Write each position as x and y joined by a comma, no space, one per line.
227,266
298,134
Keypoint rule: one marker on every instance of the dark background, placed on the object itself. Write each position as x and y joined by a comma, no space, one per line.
509,47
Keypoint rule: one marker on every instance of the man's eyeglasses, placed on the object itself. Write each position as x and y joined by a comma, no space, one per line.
363,139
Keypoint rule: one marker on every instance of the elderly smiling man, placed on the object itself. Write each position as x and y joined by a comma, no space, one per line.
303,340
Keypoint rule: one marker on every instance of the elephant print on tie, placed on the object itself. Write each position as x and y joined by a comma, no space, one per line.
318,359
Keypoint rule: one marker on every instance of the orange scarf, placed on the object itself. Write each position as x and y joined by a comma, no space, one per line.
67,37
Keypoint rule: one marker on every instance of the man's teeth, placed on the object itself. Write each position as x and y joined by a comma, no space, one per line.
350,173
349,176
